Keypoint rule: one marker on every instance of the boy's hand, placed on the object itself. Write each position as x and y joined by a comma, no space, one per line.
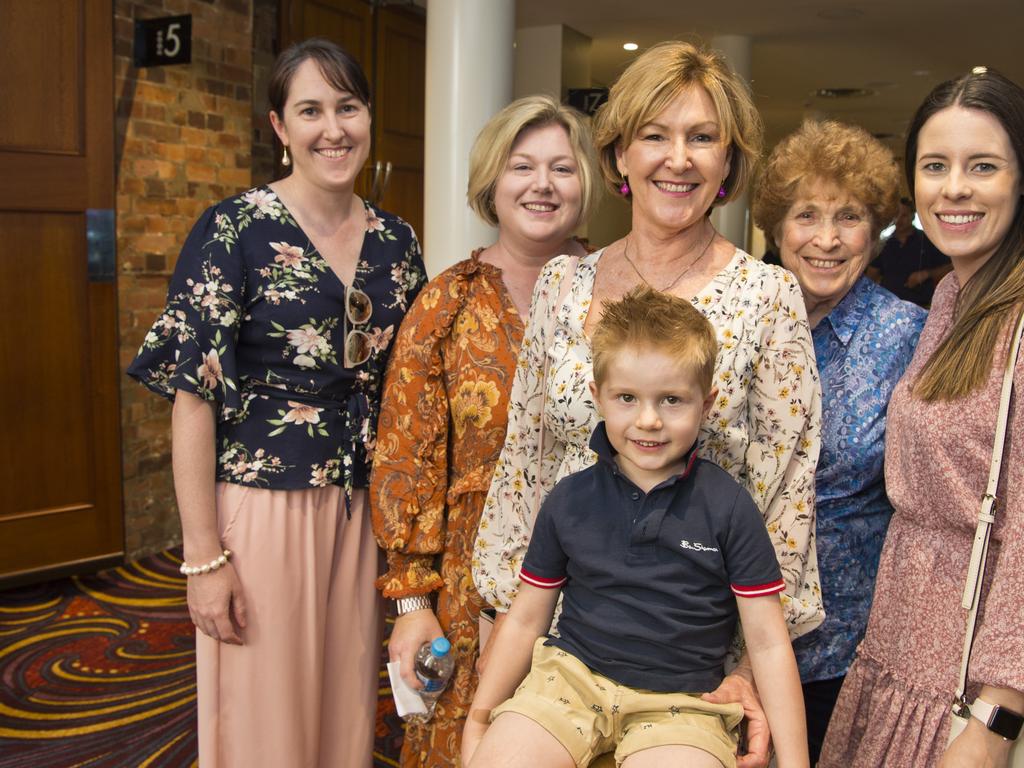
485,652
411,631
736,689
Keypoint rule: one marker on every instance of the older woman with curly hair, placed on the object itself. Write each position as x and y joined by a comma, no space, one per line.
826,193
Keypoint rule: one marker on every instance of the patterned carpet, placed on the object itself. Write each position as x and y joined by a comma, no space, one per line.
99,672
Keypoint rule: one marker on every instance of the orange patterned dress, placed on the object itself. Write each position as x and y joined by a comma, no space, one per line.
442,427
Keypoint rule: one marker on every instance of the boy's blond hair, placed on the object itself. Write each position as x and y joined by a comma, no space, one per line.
648,319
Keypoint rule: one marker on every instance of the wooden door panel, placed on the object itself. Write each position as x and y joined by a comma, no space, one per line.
60,457
399,114
41,81
404,196
45,346
347,22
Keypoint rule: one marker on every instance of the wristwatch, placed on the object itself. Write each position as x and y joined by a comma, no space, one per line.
1000,720
415,603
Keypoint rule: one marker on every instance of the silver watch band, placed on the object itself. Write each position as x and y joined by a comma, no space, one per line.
415,603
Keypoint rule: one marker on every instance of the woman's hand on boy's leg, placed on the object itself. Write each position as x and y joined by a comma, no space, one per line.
737,689
411,631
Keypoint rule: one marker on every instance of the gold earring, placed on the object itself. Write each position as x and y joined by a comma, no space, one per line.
285,160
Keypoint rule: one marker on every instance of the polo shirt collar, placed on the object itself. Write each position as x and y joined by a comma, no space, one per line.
600,445
845,317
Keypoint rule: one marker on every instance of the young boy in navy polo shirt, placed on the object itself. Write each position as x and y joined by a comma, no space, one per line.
656,553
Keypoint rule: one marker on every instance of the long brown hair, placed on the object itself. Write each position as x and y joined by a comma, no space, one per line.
995,293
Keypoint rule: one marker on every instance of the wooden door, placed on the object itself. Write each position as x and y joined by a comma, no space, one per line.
60,458
399,113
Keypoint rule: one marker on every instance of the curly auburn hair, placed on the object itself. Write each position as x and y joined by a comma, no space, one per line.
845,155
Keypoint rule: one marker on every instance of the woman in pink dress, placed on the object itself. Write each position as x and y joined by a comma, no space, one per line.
963,163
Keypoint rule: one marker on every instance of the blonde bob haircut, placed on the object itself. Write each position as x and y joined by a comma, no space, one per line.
857,163
489,155
657,77
648,319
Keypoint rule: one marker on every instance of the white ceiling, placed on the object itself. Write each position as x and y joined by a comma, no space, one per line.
899,49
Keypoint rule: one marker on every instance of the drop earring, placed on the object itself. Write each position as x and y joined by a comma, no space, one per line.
721,191
624,189
285,160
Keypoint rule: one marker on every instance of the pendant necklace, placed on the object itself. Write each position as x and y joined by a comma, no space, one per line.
687,268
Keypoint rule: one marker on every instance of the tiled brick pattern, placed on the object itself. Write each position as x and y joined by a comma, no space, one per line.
265,47
184,138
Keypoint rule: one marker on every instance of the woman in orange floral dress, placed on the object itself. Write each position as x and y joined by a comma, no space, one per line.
443,417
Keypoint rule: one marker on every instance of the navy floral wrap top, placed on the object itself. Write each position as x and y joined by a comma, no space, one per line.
255,321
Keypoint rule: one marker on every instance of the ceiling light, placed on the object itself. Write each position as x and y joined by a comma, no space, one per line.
630,46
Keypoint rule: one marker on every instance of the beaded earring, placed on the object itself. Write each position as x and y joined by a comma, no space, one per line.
285,160
624,189
721,191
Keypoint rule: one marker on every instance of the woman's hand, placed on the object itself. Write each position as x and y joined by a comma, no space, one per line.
737,689
481,662
216,605
977,747
411,631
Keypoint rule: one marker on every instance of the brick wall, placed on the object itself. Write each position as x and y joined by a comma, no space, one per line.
265,48
184,140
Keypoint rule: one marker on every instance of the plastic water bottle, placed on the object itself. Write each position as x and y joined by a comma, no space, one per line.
434,667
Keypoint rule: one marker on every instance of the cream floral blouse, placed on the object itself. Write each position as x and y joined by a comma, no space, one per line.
764,428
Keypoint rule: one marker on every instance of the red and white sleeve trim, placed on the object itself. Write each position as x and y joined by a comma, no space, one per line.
540,581
759,590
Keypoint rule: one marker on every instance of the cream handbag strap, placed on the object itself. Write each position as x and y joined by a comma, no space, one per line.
549,332
986,515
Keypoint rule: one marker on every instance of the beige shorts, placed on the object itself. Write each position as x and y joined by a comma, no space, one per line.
590,714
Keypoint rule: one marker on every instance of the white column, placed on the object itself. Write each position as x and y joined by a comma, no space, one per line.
469,78
733,220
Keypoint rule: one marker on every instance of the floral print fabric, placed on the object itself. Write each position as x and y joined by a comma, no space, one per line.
764,428
894,707
255,321
862,348
442,426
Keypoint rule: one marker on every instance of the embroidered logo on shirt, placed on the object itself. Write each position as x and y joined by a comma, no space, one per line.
696,546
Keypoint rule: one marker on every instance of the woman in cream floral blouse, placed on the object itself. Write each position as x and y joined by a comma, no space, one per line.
678,135
533,174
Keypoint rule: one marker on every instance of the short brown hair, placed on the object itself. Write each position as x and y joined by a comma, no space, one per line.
493,145
845,155
644,319
336,65
652,81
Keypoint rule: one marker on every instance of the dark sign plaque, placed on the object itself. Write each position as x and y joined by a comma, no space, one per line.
163,41
587,100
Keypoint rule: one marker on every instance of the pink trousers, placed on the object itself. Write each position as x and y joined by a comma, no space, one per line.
301,692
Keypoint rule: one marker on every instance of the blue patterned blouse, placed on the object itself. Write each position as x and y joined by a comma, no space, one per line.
862,348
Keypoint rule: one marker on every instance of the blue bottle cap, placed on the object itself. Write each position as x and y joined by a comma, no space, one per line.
440,647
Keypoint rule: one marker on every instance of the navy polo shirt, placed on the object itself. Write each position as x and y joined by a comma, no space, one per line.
650,580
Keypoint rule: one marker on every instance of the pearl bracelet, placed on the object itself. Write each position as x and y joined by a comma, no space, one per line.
213,565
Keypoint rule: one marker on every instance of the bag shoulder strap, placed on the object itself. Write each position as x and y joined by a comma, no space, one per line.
986,515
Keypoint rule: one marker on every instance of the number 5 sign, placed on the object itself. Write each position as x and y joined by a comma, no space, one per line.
163,41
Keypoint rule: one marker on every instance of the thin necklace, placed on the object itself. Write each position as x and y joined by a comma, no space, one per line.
687,268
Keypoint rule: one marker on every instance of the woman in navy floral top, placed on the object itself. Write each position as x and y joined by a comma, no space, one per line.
273,346
827,192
